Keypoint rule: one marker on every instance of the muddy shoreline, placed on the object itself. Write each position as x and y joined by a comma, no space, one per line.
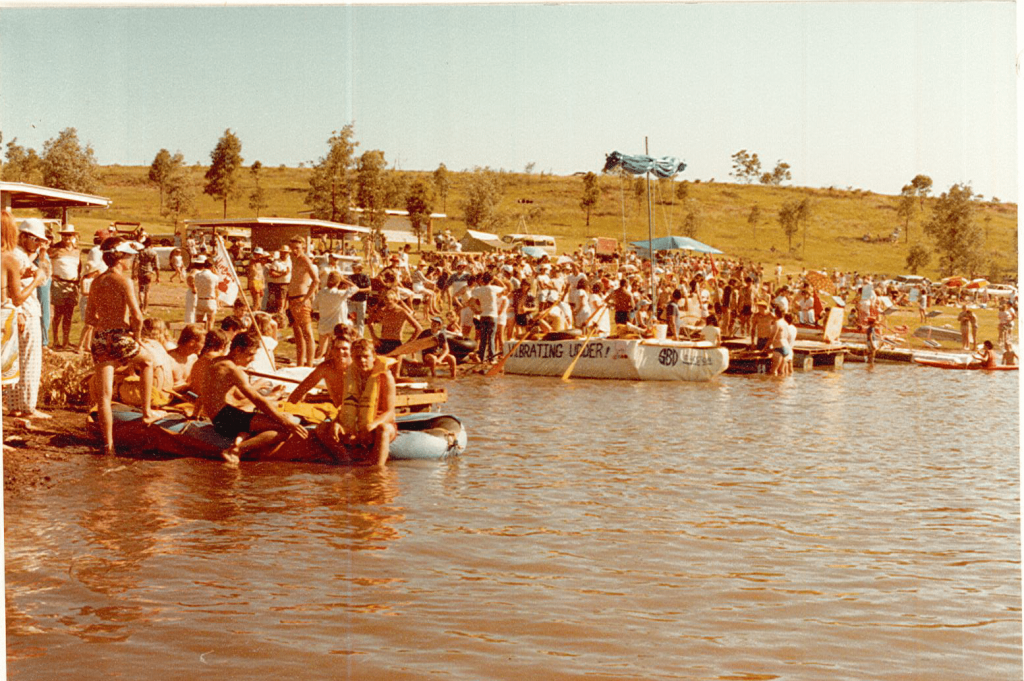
28,452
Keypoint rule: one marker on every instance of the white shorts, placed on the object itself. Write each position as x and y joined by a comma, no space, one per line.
206,306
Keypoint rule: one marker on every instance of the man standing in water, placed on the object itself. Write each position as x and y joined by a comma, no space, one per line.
304,284
114,314
226,380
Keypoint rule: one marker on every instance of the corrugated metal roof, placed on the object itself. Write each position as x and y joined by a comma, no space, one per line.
21,195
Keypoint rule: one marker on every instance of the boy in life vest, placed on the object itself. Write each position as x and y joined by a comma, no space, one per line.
366,418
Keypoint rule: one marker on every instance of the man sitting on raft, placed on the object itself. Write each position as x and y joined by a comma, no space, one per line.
250,430
366,419
332,370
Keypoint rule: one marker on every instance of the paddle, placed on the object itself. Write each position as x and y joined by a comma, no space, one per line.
414,345
591,334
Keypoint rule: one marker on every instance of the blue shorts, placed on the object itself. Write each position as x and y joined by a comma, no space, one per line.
784,351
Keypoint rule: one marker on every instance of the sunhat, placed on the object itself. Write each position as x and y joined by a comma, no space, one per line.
35,227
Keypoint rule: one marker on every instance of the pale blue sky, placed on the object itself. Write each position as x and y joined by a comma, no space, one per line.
850,94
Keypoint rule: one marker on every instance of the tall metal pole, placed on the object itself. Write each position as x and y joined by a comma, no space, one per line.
650,238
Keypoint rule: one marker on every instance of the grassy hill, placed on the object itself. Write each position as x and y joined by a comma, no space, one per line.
833,236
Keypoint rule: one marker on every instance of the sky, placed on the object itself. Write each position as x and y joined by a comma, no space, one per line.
851,95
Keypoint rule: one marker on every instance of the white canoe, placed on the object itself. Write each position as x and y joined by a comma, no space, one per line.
637,360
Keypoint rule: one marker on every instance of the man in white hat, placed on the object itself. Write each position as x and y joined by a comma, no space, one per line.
114,313
21,399
66,261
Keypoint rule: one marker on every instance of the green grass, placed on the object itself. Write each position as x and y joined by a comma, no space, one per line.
833,239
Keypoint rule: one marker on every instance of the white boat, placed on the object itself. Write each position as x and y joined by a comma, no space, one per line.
637,360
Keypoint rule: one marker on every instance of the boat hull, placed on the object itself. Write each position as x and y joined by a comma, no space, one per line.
961,366
636,360
426,436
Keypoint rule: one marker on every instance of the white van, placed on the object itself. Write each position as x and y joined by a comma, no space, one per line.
547,243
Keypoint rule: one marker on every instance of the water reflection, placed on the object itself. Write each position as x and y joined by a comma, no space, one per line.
829,525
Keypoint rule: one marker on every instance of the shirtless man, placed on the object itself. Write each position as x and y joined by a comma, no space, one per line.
777,341
332,370
762,327
366,420
304,284
113,311
226,382
393,318
190,342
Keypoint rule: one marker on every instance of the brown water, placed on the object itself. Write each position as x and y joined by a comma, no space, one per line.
858,524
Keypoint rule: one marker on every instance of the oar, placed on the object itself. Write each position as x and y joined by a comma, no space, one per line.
414,345
591,334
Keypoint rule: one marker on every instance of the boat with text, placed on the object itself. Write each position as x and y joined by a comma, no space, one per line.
619,358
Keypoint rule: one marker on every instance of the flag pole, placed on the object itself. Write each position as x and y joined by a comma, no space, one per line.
650,239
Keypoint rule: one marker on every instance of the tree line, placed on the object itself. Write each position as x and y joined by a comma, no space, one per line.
341,180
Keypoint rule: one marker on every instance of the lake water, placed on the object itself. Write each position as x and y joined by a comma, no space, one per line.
854,524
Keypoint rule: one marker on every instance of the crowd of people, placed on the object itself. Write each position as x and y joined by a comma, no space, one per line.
456,307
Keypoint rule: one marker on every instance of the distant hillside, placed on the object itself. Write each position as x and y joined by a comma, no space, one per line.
834,238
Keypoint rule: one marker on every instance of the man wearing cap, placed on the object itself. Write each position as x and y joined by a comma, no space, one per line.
20,399
114,313
66,262
256,279
279,274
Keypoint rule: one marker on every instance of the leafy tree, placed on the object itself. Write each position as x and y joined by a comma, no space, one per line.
694,219
161,169
639,189
258,197
905,208
779,175
442,184
789,220
418,203
922,186
482,198
396,188
66,164
330,188
746,167
957,237
222,177
683,190
181,194
918,258
22,165
753,218
591,193
370,188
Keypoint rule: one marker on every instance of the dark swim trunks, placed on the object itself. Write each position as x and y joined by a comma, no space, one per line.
386,345
621,316
231,421
522,320
114,345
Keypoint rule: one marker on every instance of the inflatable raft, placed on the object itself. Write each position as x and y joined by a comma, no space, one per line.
420,436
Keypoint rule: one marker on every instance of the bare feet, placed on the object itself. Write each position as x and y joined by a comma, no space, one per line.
36,414
153,415
231,454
